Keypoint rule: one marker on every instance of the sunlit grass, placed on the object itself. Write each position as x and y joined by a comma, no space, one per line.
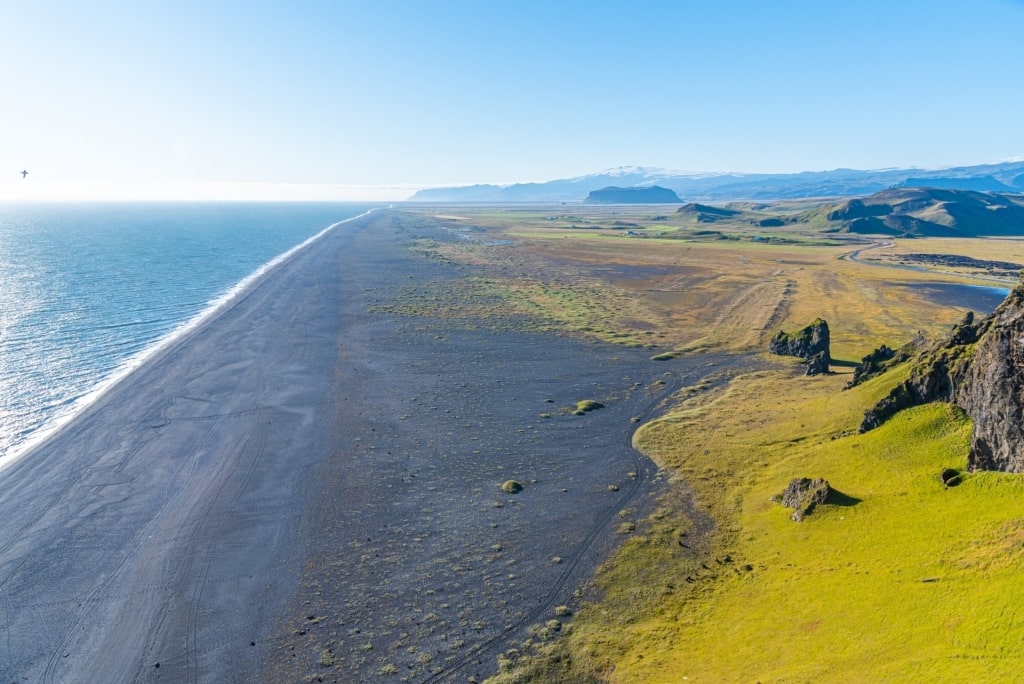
905,580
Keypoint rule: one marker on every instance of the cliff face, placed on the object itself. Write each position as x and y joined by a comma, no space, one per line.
980,368
992,393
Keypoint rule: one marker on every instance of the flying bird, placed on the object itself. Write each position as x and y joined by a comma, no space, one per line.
24,173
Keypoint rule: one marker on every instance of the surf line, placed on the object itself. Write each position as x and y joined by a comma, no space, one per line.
215,307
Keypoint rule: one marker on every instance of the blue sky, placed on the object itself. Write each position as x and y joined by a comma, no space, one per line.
374,98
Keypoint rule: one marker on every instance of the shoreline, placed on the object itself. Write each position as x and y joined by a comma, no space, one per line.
133,363
162,524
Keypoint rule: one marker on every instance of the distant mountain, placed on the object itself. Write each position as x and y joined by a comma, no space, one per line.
924,212
979,184
653,194
1006,177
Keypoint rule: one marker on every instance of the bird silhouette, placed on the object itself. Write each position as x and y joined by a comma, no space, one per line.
24,173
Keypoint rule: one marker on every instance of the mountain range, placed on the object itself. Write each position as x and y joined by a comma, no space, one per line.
922,212
1003,177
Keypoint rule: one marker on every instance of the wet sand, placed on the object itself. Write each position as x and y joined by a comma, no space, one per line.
306,487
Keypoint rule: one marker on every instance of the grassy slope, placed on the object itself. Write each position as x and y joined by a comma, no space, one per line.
912,583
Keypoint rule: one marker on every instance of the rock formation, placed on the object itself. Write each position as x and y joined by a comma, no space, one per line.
939,374
810,343
818,364
980,368
803,494
871,365
884,358
992,391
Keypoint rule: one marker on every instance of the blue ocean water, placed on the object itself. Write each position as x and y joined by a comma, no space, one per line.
86,290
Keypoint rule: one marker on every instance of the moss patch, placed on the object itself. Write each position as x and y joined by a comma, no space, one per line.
586,406
511,486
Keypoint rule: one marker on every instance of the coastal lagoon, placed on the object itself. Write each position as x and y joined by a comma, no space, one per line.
980,298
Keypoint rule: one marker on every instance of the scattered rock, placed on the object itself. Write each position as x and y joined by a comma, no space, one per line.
802,495
884,358
511,486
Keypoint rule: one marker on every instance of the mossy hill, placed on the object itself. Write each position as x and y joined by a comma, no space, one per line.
704,213
921,212
653,194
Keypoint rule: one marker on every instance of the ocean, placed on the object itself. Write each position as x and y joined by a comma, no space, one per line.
88,291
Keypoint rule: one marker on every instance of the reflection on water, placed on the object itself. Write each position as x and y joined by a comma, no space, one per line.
977,298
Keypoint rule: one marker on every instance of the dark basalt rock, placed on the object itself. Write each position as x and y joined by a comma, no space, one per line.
980,368
803,494
871,365
805,343
817,364
939,374
884,358
992,390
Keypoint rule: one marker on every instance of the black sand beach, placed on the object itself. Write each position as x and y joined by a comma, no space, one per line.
306,487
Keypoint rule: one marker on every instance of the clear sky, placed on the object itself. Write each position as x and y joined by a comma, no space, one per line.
375,98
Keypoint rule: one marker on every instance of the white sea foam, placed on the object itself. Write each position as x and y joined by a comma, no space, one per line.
215,306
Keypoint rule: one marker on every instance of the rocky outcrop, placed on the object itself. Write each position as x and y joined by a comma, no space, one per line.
992,392
818,364
802,495
810,343
871,365
980,368
884,358
939,374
